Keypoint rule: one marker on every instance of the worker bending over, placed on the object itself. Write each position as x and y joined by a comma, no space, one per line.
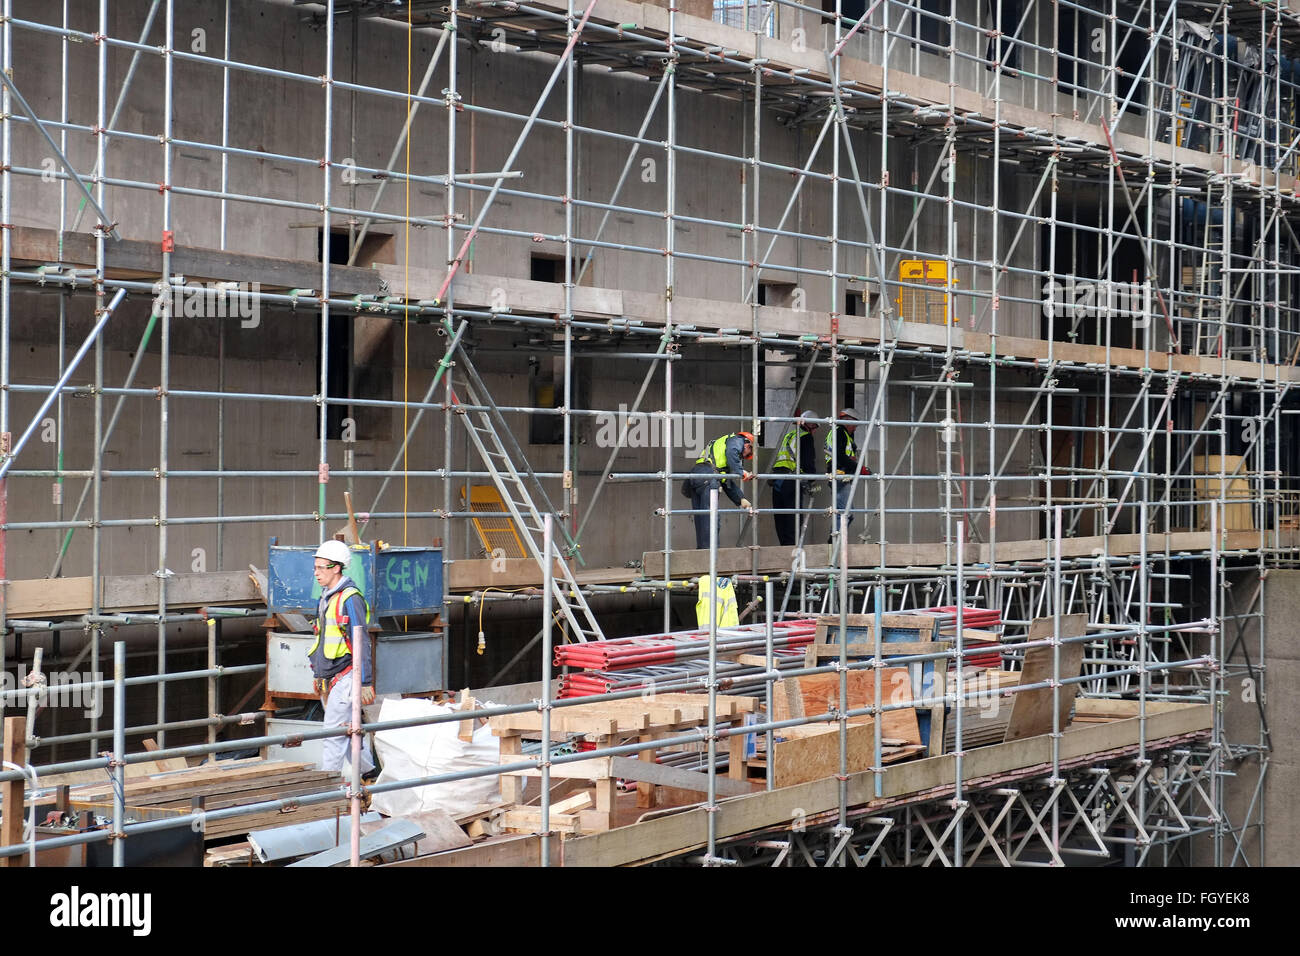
722,457
340,629
842,463
796,459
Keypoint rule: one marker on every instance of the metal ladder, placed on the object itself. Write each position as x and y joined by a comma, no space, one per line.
521,494
1179,102
1210,284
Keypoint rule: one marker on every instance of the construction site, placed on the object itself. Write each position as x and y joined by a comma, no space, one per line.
491,290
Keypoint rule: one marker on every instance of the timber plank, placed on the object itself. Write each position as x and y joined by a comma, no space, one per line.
167,764
691,563
661,775
522,850
11,792
199,778
568,720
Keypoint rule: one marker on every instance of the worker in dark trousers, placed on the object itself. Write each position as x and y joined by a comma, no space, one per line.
722,456
796,457
841,464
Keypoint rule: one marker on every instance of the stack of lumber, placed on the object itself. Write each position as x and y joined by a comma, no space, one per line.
227,784
984,717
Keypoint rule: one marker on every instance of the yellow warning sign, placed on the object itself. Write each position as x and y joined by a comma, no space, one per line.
921,295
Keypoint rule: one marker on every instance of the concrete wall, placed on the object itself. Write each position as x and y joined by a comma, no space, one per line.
272,115
1281,646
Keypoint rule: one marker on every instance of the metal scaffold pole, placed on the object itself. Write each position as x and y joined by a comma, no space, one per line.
1088,411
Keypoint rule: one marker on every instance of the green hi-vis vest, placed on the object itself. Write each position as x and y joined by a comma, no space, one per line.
786,456
338,640
715,453
848,446
728,616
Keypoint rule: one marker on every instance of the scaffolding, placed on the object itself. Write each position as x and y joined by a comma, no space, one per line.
1100,353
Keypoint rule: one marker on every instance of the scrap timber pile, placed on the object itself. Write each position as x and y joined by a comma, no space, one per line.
230,783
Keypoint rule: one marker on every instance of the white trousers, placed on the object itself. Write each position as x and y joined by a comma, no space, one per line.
337,751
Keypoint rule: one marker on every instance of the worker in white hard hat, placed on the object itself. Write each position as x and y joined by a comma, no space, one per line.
341,619
796,461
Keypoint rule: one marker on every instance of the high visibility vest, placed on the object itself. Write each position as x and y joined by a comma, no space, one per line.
338,638
846,444
728,616
716,454
787,459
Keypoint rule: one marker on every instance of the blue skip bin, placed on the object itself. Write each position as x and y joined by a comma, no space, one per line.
395,581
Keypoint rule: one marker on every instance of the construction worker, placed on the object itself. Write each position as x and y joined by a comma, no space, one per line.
722,456
340,629
796,456
723,602
842,462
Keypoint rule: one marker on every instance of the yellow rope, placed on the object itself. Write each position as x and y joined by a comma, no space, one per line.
406,292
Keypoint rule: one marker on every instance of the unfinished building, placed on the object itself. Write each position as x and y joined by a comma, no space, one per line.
528,259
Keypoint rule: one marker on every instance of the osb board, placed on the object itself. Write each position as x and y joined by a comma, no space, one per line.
815,694
814,755
1031,710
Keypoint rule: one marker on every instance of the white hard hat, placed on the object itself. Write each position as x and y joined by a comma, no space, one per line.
335,551
805,414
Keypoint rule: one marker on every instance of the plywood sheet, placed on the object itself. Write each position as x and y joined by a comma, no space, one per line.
816,754
816,694
1031,711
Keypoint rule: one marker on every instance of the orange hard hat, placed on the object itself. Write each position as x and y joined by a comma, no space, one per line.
749,437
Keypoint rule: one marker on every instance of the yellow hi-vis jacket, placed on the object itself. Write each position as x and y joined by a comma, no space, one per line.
715,454
728,615
787,457
338,638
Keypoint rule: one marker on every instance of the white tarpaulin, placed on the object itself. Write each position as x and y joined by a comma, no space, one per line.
413,752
